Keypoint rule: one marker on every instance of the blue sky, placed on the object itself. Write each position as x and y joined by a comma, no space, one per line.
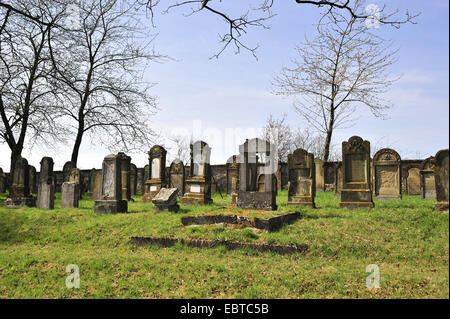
233,91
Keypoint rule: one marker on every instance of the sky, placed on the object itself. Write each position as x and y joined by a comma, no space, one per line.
227,99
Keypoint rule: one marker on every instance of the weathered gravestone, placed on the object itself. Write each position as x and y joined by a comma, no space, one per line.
91,181
338,180
302,178
427,183
96,179
166,199
176,176
2,181
140,184
413,181
320,182
70,194
20,189
157,172
198,183
67,168
33,179
356,191
441,179
248,196
111,191
75,177
125,162
232,167
46,185
328,175
133,179
387,175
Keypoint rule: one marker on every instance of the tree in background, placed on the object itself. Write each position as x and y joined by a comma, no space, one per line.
344,67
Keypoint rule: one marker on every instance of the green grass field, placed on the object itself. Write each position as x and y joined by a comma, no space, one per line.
406,239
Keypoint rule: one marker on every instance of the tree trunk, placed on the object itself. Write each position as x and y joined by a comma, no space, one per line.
15,154
76,146
326,152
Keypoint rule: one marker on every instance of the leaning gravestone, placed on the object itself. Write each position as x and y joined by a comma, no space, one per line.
111,191
248,196
413,181
166,199
441,179
427,183
20,189
133,179
46,187
2,181
356,191
33,179
125,162
176,176
198,183
387,174
70,194
157,172
302,178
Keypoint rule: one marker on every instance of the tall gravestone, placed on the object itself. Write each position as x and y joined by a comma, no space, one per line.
140,184
338,180
96,179
20,189
2,181
441,179
248,196
413,181
198,183
133,179
46,185
387,175
157,172
75,177
232,167
176,176
302,179
33,179
111,190
125,163
328,175
427,183
356,191
320,182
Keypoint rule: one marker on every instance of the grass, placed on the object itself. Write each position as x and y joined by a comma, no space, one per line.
407,239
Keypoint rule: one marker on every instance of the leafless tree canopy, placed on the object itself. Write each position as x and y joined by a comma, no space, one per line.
344,67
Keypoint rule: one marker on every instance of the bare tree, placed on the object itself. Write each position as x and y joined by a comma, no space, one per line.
343,68
26,94
99,67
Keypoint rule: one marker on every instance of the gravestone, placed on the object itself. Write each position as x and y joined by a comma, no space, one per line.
20,189
248,195
111,190
133,179
198,183
125,162
157,172
91,181
176,176
166,199
387,174
320,182
328,176
70,194
338,180
302,178
67,168
140,184
46,185
441,179
75,177
2,181
232,167
96,179
33,179
356,191
413,181
427,183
